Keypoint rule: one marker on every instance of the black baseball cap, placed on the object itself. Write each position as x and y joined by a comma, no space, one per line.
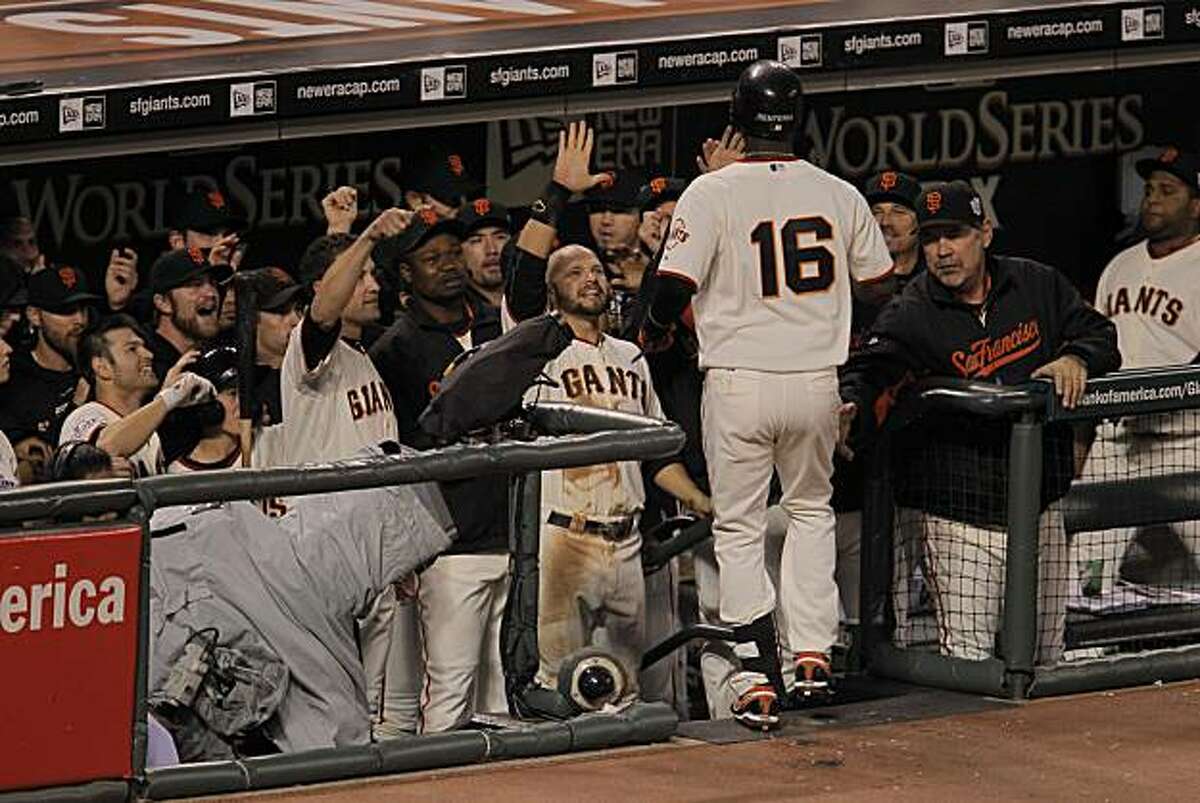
274,288
183,266
658,191
443,175
219,366
483,212
58,290
425,225
207,211
892,186
950,204
619,194
1184,166
12,284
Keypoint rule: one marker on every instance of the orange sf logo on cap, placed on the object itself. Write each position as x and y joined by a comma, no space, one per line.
428,216
658,186
215,199
481,206
456,164
933,202
1169,155
68,278
888,180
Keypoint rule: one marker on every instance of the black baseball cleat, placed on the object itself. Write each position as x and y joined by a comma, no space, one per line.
813,681
758,707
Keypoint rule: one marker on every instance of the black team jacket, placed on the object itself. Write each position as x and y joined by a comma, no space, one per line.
956,466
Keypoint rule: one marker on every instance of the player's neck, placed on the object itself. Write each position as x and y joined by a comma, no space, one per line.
1165,247
122,402
585,327
215,449
169,332
49,357
351,330
905,262
757,148
444,311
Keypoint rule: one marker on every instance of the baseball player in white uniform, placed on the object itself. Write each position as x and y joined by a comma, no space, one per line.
334,406
590,556
8,458
1150,292
116,363
770,247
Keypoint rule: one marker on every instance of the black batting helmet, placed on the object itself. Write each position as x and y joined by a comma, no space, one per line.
767,101
219,366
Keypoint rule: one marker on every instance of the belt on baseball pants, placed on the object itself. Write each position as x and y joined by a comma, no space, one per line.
608,530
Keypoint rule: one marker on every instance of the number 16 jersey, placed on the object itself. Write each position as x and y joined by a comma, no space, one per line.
771,247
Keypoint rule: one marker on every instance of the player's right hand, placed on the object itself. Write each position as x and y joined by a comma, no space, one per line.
341,210
121,277
846,415
572,167
187,390
390,223
715,154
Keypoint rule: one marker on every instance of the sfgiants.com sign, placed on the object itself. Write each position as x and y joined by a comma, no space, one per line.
68,654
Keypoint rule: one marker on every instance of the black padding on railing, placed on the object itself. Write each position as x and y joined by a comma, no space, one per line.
1137,502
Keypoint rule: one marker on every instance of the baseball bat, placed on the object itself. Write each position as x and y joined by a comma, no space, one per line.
247,337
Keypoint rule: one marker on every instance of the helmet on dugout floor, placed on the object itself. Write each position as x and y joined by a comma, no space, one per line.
767,100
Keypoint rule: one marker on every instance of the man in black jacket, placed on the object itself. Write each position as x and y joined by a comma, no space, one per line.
987,318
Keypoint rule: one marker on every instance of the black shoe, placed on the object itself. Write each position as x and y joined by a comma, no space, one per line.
813,682
758,707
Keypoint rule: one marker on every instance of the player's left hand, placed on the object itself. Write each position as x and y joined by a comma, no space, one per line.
1070,377
341,210
653,228
121,276
222,250
572,167
701,505
846,415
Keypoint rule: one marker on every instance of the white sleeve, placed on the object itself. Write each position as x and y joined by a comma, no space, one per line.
82,424
694,235
869,257
293,373
8,464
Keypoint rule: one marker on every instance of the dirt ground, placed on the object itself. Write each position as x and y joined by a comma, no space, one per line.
1132,745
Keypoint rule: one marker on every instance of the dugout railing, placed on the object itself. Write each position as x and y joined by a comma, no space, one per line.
1115,476
51,741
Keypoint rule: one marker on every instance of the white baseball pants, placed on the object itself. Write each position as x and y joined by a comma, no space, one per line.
755,422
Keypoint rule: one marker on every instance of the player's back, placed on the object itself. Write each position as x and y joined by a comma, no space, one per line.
779,241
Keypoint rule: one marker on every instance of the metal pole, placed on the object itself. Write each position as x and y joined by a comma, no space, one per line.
1020,625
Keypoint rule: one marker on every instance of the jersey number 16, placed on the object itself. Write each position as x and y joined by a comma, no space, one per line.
795,257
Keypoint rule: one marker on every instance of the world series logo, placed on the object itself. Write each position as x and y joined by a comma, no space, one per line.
444,83
251,100
81,114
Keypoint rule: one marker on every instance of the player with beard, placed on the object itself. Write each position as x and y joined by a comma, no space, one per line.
461,597
187,305
590,554
486,230
116,363
58,312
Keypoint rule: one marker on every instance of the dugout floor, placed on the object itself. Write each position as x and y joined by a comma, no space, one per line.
915,745
93,43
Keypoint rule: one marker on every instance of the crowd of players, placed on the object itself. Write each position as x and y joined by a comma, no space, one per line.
138,375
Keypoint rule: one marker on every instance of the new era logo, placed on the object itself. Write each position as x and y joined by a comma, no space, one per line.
966,38
612,69
1138,24
81,114
805,50
444,83
248,100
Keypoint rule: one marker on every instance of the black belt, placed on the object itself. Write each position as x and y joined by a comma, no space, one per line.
608,530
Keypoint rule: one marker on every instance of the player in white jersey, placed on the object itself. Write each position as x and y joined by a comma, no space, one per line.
335,405
770,246
115,361
590,555
1151,291
8,458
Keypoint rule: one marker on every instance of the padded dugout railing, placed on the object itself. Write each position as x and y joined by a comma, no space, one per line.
577,437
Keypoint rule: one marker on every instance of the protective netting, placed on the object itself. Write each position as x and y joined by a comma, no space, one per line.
950,478
1135,517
